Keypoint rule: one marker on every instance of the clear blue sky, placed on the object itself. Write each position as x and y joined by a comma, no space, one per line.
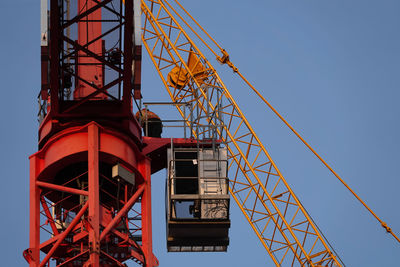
332,68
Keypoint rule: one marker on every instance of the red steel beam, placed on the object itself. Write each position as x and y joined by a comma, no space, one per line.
91,54
94,199
64,234
145,169
54,239
73,258
98,91
131,242
55,36
128,57
122,212
50,218
34,218
86,13
62,188
113,259
89,27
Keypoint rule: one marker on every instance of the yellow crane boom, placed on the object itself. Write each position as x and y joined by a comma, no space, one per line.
276,215
224,59
263,195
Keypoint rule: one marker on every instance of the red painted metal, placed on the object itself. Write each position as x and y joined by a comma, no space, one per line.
128,44
62,236
62,188
48,215
93,227
34,219
94,195
117,219
88,53
87,31
91,219
145,168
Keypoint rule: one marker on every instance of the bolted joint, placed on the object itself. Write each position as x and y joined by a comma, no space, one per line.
28,255
230,64
387,228
224,58
94,247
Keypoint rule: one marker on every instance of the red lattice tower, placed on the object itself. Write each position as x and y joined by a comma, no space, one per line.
83,211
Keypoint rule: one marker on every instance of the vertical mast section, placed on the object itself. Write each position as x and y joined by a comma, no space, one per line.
89,29
92,216
93,52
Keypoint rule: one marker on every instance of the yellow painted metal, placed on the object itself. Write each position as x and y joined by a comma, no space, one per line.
274,212
224,59
179,77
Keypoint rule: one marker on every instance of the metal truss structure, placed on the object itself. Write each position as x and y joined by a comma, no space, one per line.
91,69
263,195
80,214
91,53
88,217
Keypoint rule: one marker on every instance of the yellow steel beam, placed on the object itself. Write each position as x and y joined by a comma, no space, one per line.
224,59
261,192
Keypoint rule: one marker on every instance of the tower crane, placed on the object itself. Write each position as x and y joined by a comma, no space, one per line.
90,181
